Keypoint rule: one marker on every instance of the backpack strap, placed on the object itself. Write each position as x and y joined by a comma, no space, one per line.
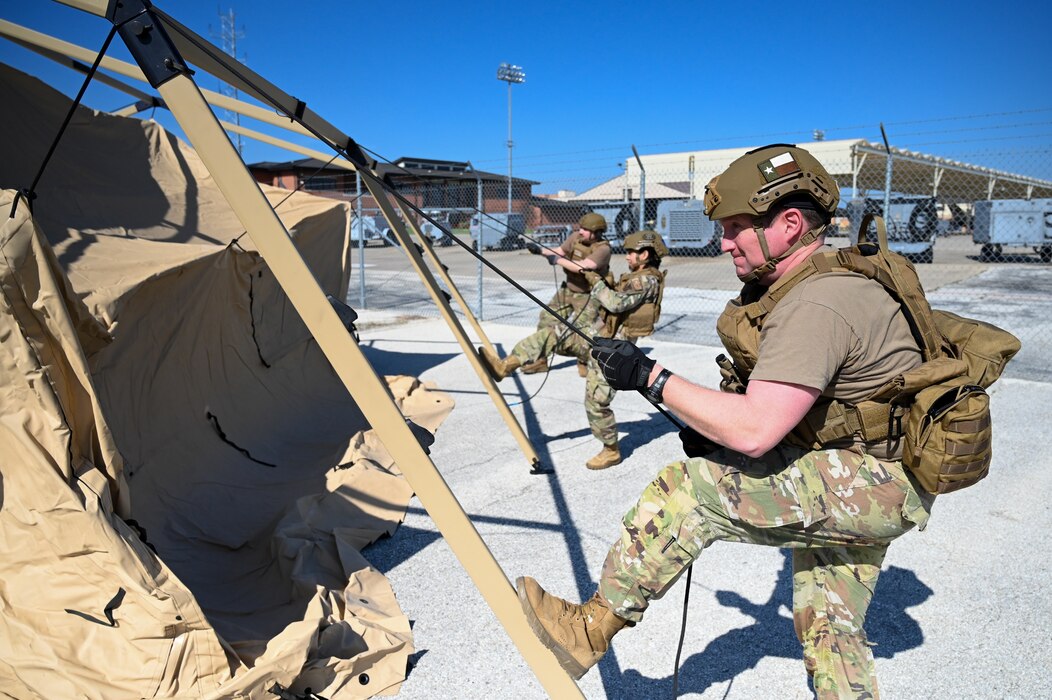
901,281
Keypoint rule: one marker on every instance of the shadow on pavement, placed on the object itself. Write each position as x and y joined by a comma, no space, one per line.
889,627
414,364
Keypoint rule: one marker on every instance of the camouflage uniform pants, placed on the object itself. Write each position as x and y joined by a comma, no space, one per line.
550,340
597,398
838,510
566,303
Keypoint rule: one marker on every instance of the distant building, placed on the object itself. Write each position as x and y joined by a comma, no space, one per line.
856,164
448,187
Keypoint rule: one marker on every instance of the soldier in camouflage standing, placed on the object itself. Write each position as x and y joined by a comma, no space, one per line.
585,250
629,310
759,471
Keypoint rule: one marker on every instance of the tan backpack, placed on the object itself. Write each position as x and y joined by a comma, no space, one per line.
940,408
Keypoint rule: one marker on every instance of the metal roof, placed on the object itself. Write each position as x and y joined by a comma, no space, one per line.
854,163
414,167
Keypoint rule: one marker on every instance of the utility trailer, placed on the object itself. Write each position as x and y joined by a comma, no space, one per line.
500,231
1013,223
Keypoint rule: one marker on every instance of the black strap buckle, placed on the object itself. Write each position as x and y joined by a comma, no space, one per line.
895,415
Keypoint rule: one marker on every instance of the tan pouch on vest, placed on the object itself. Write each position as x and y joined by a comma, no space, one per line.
947,444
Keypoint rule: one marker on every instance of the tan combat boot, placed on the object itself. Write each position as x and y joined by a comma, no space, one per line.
578,635
498,368
582,368
536,367
607,457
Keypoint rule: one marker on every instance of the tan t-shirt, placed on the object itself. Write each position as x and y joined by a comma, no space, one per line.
840,333
599,253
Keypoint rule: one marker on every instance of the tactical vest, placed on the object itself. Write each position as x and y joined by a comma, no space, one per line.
576,281
739,328
961,358
640,321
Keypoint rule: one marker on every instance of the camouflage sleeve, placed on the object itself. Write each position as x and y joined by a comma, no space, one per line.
639,290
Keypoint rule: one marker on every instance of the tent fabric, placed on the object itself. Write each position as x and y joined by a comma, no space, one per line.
186,486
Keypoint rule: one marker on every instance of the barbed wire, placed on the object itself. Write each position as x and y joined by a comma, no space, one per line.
769,135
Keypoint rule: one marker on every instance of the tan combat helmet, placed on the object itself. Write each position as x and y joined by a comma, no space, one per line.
646,239
593,222
753,183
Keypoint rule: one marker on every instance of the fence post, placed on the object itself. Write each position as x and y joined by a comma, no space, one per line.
361,239
478,241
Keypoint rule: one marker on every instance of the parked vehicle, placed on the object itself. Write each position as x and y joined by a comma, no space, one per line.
913,224
1023,223
435,233
498,231
373,229
551,234
685,228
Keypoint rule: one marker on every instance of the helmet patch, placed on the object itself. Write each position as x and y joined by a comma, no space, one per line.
779,166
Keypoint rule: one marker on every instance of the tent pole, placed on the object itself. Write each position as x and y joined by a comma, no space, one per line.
274,244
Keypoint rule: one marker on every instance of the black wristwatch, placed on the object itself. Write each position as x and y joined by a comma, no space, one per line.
655,391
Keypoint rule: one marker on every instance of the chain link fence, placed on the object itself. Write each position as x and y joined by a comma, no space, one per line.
979,232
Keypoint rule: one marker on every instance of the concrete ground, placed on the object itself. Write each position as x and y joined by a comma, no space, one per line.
962,610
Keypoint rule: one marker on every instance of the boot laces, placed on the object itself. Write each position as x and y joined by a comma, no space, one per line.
576,613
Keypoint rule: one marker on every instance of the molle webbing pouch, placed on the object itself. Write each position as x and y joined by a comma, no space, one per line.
947,445
882,416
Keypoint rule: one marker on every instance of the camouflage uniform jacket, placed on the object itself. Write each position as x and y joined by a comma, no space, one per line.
637,293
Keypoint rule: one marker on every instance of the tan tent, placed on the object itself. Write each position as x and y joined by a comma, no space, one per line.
159,394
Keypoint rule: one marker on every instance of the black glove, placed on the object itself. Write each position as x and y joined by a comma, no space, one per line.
623,364
533,248
695,444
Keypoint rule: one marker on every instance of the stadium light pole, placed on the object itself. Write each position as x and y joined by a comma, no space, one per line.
510,74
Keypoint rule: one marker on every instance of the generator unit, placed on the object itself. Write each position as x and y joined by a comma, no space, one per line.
684,226
1017,223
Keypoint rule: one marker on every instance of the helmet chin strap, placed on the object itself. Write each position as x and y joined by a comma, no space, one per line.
770,263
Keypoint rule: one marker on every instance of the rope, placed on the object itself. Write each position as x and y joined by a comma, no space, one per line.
446,232
406,204
551,357
340,150
682,634
298,187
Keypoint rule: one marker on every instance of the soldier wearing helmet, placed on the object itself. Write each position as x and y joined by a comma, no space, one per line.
773,459
628,309
756,189
631,309
585,250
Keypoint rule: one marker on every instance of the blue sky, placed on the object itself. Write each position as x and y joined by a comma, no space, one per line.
964,80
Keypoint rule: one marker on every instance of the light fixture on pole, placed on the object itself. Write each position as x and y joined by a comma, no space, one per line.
510,74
